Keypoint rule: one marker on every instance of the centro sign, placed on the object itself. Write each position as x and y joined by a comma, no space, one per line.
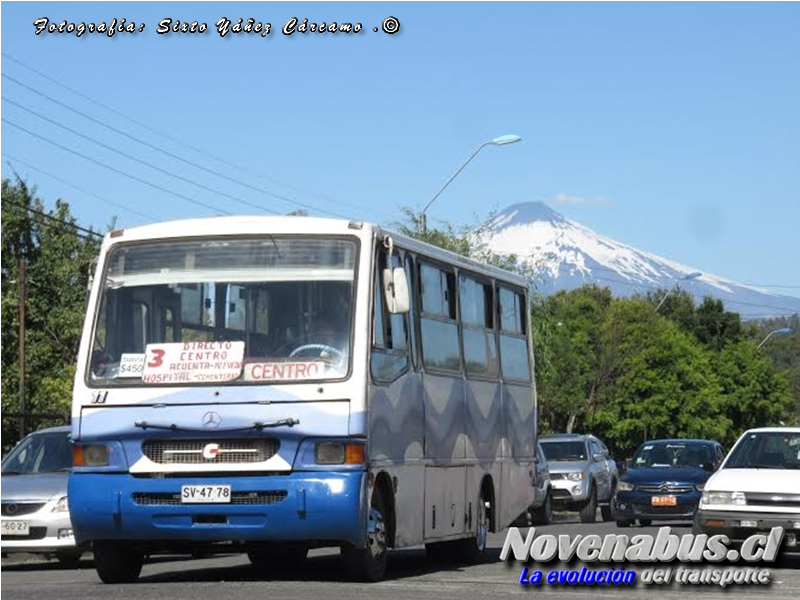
211,451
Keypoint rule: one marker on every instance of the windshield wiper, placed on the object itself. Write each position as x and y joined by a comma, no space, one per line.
258,426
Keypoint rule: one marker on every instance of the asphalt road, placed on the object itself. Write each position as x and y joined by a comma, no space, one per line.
411,575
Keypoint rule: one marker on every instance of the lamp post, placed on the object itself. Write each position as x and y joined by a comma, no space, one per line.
688,277
771,333
503,140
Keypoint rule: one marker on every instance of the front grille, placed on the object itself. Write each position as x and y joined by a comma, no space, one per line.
669,488
34,533
554,476
649,509
766,499
16,509
190,452
238,498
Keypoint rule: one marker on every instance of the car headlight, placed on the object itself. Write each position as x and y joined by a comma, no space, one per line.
62,505
625,486
578,476
735,498
700,486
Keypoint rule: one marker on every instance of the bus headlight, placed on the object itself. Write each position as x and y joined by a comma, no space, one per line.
90,455
339,453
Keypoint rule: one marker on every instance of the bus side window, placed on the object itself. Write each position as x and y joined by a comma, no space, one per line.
390,331
514,357
441,348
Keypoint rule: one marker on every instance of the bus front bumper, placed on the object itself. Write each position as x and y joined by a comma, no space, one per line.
323,507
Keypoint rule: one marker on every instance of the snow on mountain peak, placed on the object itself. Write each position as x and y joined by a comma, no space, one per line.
566,254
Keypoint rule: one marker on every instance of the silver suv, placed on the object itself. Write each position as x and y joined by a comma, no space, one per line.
583,475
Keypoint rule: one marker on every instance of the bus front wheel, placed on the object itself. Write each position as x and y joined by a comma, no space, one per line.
117,562
369,563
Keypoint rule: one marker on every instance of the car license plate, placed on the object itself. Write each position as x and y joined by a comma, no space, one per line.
665,501
15,528
205,494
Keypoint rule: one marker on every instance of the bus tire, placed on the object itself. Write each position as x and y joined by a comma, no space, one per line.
369,563
473,549
116,562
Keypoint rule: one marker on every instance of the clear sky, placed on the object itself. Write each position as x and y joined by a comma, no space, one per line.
671,127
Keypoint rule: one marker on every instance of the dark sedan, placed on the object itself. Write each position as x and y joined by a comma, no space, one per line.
664,480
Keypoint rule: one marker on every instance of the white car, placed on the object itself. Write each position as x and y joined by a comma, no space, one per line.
35,515
756,488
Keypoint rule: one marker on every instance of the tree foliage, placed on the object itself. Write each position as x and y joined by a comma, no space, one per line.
57,258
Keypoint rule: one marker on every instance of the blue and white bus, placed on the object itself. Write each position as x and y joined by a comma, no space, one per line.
274,384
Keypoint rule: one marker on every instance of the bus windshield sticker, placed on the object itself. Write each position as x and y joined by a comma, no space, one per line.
131,365
284,371
193,362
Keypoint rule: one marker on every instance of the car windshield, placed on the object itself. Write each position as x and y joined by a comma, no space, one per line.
225,310
674,454
49,452
766,450
568,450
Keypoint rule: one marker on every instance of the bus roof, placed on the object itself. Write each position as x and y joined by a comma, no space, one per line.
290,224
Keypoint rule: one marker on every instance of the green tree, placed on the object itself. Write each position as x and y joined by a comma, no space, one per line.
57,258
660,382
754,394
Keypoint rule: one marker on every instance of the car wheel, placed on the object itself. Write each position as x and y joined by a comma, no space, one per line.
589,511
607,511
117,562
645,522
369,563
544,513
69,559
624,523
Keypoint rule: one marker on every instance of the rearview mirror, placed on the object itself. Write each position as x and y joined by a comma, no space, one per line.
598,456
395,290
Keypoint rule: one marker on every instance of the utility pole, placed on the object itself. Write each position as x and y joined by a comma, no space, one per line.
22,300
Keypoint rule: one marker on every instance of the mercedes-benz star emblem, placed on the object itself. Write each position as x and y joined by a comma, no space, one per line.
211,419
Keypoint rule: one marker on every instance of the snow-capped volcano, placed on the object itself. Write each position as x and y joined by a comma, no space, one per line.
565,254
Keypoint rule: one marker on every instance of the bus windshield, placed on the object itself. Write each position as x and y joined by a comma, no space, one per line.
271,308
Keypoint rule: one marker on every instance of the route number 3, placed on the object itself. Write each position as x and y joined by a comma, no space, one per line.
157,358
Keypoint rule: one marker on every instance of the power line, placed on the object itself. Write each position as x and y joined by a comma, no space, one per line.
144,162
54,226
161,133
80,189
115,170
51,217
165,152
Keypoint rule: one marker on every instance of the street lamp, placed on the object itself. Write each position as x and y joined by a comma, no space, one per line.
503,140
688,277
771,333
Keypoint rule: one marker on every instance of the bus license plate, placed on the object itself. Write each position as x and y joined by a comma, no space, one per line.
15,528
665,501
205,494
